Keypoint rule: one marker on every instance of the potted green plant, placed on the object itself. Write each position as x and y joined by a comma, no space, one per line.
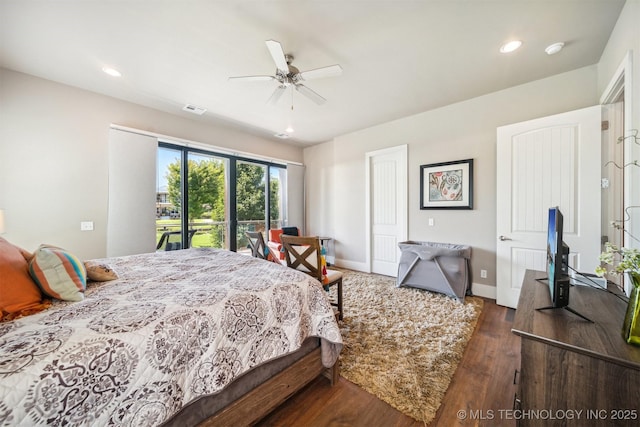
626,261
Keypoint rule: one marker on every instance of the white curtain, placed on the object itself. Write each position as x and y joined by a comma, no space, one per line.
131,221
295,197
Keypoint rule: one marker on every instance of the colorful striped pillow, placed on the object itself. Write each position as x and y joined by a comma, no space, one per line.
58,273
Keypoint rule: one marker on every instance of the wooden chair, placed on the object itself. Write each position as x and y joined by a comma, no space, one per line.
275,244
257,245
303,253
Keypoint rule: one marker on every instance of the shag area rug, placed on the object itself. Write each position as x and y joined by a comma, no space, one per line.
403,345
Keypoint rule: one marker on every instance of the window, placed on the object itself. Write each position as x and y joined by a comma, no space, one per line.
194,192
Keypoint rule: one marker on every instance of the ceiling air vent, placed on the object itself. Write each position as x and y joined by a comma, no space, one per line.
193,109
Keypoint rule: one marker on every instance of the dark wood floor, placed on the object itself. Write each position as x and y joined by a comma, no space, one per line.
482,388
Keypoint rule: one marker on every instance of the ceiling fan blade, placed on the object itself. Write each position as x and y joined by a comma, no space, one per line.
318,73
276,94
251,78
310,94
275,49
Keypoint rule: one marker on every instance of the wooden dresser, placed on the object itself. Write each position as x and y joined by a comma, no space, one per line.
574,372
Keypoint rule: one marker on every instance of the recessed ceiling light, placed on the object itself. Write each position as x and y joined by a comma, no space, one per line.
510,46
554,48
289,129
112,71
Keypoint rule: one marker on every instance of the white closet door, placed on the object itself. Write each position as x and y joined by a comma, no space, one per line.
131,221
387,208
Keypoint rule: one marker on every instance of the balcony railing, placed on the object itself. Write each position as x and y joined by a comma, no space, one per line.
209,233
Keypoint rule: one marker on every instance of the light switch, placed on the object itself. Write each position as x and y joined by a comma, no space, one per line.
431,222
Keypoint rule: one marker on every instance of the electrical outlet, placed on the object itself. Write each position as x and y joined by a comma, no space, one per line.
86,226
431,222
483,274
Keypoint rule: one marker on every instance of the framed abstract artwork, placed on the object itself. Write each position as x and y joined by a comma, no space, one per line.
447,185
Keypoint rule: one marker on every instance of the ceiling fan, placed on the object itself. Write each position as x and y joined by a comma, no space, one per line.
287,75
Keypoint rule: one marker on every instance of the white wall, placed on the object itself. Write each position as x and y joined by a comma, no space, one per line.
53,158
336,169
626,37
336,181
53,148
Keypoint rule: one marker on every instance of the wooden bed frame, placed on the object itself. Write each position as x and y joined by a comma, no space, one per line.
260,401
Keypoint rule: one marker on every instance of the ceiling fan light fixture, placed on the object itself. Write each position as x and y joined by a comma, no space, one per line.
510,46
112,72
288,75
552,49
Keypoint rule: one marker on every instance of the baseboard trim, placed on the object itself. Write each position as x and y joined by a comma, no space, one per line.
485,291
352,265
478,289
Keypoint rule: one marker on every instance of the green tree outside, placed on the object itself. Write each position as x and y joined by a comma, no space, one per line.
206,189
250,188
206,186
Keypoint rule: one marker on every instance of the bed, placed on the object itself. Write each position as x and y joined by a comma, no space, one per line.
180,338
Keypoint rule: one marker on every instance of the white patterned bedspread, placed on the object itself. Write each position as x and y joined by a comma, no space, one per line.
175,326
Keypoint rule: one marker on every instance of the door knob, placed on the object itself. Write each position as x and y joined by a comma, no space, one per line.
503,238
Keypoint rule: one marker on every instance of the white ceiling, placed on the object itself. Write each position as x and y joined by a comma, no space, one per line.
398,57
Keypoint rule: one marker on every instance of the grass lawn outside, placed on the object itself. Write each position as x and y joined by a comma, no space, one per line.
202,239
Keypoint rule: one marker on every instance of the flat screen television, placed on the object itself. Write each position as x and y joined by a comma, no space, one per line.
558,264
557,260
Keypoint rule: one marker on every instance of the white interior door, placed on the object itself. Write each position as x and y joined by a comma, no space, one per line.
387,208
552,161
613,177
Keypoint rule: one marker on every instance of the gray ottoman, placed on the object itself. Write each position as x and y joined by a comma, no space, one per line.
437,267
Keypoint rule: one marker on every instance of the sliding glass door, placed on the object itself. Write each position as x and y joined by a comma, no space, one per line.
207,196
278,198
251,201
210,200
168,199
